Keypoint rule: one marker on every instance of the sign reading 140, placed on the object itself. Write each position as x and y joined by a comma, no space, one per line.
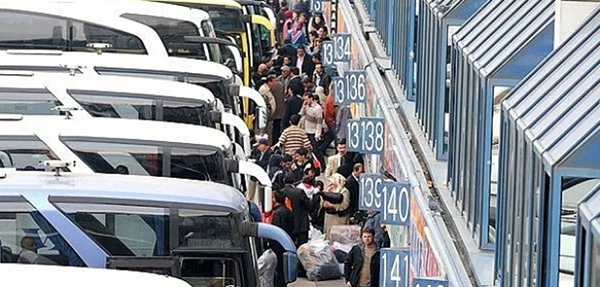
393,268
365,135
396,203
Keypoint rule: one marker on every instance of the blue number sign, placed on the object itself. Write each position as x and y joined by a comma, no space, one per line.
365,135
342,46
370,191
429,282
328,53
393,270
340,90
357,92
316,6
396,203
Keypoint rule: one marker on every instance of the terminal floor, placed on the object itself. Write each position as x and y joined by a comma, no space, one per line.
303,282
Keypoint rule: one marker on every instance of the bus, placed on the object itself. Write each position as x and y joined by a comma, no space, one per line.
230,17
125,146
197,231
87,96
62,276
215,77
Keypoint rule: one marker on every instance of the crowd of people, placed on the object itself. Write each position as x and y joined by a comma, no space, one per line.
303,123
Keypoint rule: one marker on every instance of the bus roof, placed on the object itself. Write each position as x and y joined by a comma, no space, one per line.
147,35
118,130
56,60
115,188
60,276
231,3
109,85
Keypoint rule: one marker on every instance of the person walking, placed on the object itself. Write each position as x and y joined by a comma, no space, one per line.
336,214
362,262
337,160
293,138
278,91
300,206
266,91
312,117
353,186
284,219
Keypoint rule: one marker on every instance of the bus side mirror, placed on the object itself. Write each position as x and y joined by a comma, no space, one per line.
265,198
290,268
261,117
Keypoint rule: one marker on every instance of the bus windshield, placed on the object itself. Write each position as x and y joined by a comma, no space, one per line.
228,19
158,109
151,159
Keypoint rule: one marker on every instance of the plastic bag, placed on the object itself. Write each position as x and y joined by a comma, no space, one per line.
327,271
267,263
315,235
315,253
346,234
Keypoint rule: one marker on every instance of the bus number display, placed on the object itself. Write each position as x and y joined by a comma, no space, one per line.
356,91
340,90
328,53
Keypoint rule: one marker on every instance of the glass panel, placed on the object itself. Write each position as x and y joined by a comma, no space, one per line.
28,238
29,31
106,106
129,230
24,154
142,159
83,34
595,264
214,49
211,272
39,102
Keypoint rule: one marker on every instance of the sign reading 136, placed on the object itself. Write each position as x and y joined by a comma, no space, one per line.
370,191
365,135
393,270
356,89
396,203
429,282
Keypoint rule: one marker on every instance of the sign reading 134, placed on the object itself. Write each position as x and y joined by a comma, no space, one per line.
365,135
396,203
328,53
316,6
429,282
393,270
370,191
342,46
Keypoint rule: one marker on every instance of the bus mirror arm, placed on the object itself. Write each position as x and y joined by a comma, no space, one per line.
272,232
232,166
216,117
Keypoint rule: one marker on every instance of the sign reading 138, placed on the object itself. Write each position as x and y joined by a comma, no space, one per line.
396,203
393,269
429,282
365,135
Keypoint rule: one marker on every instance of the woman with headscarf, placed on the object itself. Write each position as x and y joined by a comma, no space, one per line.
336,214
297,36
317,22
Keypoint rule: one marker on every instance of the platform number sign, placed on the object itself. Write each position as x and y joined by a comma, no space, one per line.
393,269
396,203
328,53
316,6
365,135
429,282
370,191
342,45
356,89
340,91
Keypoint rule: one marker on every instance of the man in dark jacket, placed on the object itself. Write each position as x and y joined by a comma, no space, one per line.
293,104
278,92
320,78
262,153
352,186
284,219
300,206
361,256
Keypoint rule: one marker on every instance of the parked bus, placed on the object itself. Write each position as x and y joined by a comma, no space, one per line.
197,231
87,96
109,145
217,78
59,276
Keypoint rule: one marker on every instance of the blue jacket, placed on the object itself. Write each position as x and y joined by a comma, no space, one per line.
254,212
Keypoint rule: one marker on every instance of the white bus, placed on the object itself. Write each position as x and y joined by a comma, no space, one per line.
88,96
215,77
124,146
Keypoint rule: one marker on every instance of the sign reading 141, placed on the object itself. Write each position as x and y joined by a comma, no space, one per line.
365,135
393,268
